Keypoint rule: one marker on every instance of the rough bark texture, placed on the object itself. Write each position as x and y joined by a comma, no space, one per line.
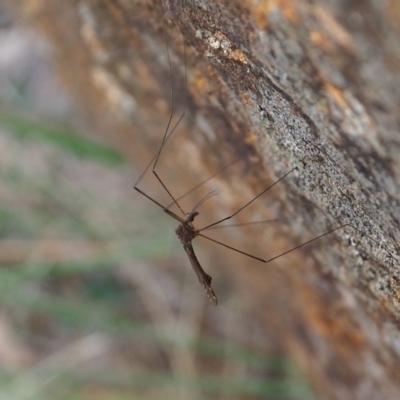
281,84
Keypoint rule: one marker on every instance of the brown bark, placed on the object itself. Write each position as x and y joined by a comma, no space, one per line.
281,84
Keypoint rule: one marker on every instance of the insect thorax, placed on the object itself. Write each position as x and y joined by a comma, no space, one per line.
185,232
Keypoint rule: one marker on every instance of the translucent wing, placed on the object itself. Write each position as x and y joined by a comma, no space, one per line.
202,276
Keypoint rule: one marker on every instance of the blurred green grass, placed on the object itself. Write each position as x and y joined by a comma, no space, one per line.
65,139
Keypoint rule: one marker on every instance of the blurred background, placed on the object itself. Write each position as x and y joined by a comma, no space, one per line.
97,297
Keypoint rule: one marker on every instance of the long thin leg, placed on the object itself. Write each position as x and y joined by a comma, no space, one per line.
294,248
279,255
166,136
303,244
172,100
169,212
155,155
232,248
247,204
166,131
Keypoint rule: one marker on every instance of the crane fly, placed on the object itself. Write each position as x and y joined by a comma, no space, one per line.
185,231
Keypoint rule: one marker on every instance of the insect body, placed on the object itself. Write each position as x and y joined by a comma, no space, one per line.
186,232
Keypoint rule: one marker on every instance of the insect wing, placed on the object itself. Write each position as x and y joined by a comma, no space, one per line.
202,276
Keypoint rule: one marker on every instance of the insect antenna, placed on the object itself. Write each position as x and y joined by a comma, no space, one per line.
203,199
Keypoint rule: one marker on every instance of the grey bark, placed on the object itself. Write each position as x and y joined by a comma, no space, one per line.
313,85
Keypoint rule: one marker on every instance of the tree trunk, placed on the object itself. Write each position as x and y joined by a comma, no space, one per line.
280,84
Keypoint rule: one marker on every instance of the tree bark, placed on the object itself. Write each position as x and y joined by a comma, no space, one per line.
280,84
